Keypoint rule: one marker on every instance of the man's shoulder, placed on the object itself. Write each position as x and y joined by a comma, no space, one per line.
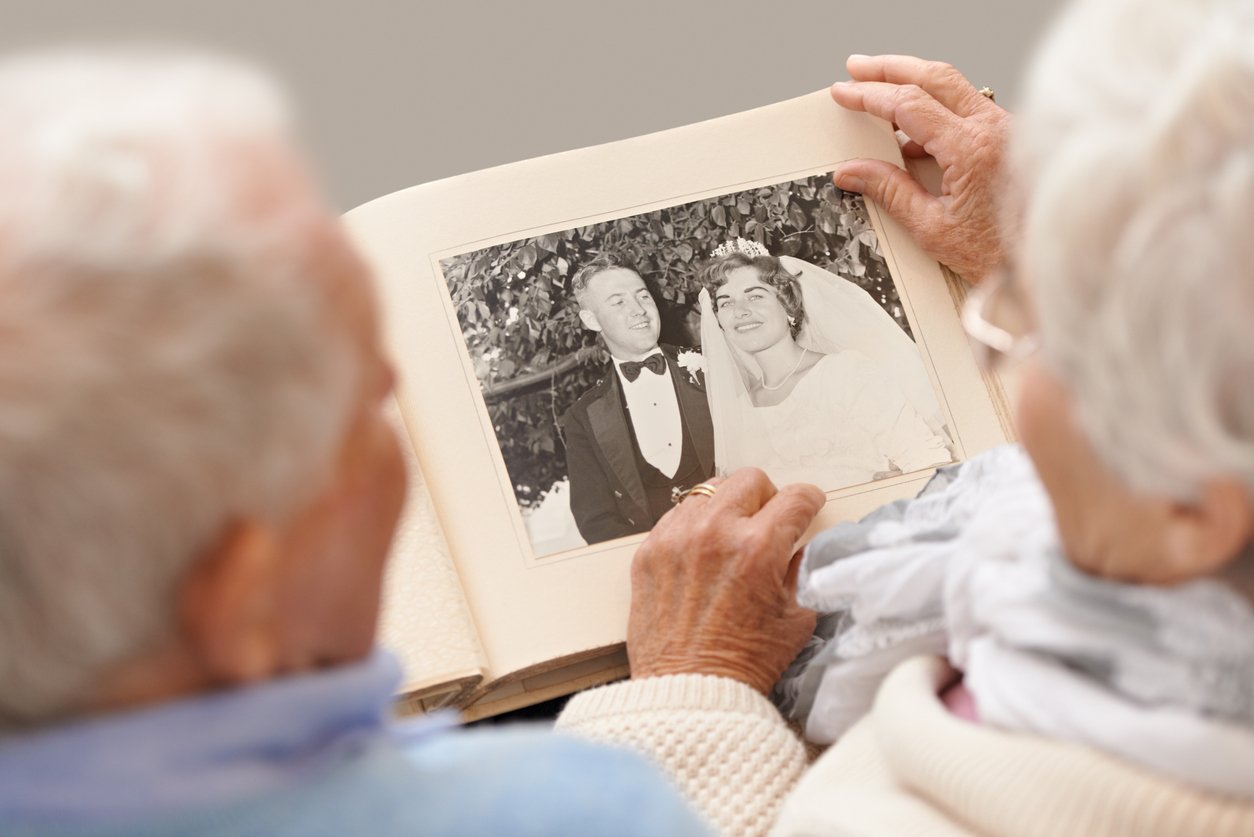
594,393
554,783
451,783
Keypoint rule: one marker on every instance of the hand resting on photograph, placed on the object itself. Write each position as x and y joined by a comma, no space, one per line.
714,585
944,116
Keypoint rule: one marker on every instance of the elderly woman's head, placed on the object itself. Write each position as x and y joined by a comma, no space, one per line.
1134,163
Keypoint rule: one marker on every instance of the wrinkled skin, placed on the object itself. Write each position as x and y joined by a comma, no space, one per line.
944,117
714,585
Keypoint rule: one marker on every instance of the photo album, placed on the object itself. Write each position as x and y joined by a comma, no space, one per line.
581,338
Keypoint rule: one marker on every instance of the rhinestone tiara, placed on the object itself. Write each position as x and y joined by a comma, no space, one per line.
740,245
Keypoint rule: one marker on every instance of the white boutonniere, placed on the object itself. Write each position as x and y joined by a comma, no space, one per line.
693,363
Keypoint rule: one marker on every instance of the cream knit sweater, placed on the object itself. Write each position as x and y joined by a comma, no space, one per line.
723,743
909,768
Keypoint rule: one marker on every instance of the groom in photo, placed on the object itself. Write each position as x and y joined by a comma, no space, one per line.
643,433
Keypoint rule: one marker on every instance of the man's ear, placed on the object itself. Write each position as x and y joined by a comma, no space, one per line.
589,320
228,606
1204,536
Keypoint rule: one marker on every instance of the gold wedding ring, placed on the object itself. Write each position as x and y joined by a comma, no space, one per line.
703,488
987,93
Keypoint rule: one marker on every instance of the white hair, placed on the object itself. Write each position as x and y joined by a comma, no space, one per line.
169,360
1135,156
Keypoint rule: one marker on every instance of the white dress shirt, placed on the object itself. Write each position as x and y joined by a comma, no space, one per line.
653,410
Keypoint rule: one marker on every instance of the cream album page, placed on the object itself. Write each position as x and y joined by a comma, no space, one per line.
511,404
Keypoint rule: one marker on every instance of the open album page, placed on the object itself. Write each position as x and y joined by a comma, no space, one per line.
426,621
581,337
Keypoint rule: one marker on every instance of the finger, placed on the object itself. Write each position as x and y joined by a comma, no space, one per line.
744,492
692,503
695,495
940,80
911,109
901,196
789,513
910,148
794,572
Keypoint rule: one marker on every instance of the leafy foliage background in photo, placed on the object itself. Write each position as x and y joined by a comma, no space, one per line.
534,359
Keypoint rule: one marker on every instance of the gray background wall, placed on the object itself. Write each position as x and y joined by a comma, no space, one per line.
395,93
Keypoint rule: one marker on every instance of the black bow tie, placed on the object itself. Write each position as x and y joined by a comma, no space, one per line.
655,363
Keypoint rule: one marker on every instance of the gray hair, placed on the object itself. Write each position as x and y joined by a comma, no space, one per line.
1135,154
169,360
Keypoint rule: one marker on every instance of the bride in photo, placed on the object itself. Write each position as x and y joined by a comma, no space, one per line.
808,378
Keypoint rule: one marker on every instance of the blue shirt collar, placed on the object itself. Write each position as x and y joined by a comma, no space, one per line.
201,750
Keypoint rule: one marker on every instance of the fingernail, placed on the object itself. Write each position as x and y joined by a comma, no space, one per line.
851,183
857,56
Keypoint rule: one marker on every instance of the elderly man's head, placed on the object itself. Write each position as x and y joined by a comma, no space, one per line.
1135,155
197,487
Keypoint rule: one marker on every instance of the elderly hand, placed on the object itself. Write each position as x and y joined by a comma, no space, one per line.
944,116
713,588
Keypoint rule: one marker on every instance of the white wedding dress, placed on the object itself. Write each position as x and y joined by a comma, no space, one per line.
842,425
865,410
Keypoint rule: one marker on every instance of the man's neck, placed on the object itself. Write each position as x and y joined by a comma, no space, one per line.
624,358
161,674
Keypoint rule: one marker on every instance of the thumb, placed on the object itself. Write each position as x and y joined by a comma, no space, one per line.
901,196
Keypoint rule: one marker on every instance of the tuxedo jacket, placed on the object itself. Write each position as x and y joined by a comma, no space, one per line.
607,495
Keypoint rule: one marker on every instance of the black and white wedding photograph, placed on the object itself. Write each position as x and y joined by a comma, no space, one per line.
626,361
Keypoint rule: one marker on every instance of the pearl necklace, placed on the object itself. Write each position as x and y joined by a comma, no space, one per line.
788,377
